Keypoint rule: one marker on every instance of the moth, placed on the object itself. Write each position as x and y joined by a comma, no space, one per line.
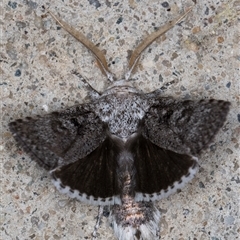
125,149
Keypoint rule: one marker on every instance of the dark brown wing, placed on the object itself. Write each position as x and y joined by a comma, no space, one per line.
74,145
159,172
186,126
60,138
92,179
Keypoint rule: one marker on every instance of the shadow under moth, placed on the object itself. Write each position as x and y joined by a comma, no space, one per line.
124,149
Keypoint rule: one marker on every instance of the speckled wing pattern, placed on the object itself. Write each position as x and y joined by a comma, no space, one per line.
171,134
73,144
60,138
185,127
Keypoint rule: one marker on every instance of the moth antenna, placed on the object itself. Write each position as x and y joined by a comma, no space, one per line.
88,44
92,92
147,41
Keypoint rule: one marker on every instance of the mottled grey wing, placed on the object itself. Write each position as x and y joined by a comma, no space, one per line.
185,127
60,138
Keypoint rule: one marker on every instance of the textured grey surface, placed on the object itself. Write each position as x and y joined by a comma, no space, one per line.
201,56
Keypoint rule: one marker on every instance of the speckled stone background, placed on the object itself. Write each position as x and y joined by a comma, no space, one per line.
201,56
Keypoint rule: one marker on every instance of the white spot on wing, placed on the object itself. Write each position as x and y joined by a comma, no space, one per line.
84,197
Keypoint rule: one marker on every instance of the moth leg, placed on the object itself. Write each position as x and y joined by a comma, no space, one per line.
150,39
93,94
99,217
88,44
